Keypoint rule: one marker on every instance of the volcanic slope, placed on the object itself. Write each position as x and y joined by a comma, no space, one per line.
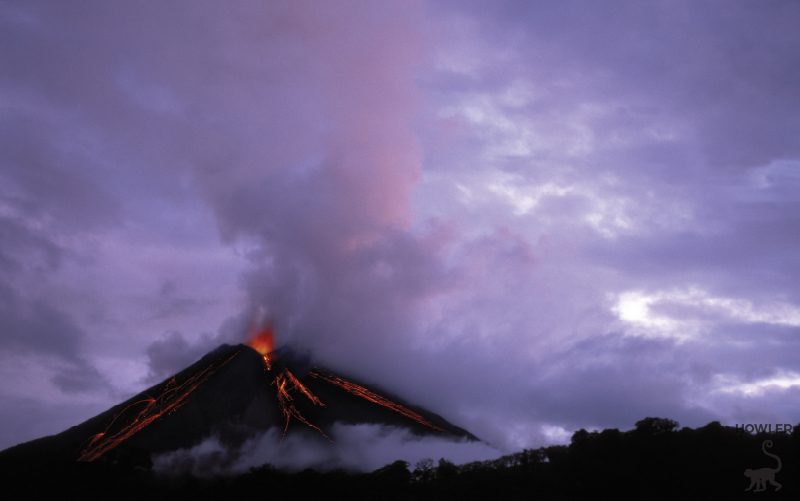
233,392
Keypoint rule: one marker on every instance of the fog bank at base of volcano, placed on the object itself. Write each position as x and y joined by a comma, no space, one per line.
361,447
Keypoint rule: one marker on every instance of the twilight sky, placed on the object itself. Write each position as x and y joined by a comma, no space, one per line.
528,217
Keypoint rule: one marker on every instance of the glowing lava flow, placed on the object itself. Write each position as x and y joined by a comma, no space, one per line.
262,342
172,397
285,383
300,386
140,414
373,397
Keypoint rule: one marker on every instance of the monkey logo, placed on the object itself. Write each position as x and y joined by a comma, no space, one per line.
760,477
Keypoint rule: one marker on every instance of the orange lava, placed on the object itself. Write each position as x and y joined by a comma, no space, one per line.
300,386
373,397
172,397
287,387
263,343
285,383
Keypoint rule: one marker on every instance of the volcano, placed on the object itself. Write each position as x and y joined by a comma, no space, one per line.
233,393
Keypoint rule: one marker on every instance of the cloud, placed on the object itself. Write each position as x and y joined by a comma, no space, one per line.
22,417
170,355
35,327
493,210
171,302
23,247
48,183
355,448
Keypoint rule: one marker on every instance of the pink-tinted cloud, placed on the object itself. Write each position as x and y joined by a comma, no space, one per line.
526,217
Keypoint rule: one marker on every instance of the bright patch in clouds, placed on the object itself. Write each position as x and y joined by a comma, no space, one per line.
525,198
697,308
781,381
556,434
635,308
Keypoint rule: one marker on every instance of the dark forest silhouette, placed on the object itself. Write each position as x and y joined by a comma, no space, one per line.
655,460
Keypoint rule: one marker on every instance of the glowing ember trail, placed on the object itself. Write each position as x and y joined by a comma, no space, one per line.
373,397
300,386
285,383
172,397
140,414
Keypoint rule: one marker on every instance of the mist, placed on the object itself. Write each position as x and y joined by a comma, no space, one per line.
357,448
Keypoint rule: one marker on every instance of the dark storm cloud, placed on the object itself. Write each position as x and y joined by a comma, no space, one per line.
35,327
44,179
743,349
23,247
79,377
613,379
45,193
170,354
730,70
170,301
22,417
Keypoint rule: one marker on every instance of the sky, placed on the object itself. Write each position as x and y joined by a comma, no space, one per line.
528,217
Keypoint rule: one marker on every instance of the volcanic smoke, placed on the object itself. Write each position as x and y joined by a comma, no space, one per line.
287,383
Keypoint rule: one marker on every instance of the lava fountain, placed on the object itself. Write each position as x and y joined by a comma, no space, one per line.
263,343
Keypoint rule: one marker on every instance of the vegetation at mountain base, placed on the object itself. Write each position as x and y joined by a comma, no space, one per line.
655,460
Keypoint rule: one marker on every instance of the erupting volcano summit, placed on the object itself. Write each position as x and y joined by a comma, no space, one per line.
234,392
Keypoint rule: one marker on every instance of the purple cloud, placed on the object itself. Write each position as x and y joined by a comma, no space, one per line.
528,218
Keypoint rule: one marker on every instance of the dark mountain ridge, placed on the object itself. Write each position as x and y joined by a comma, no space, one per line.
232,394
